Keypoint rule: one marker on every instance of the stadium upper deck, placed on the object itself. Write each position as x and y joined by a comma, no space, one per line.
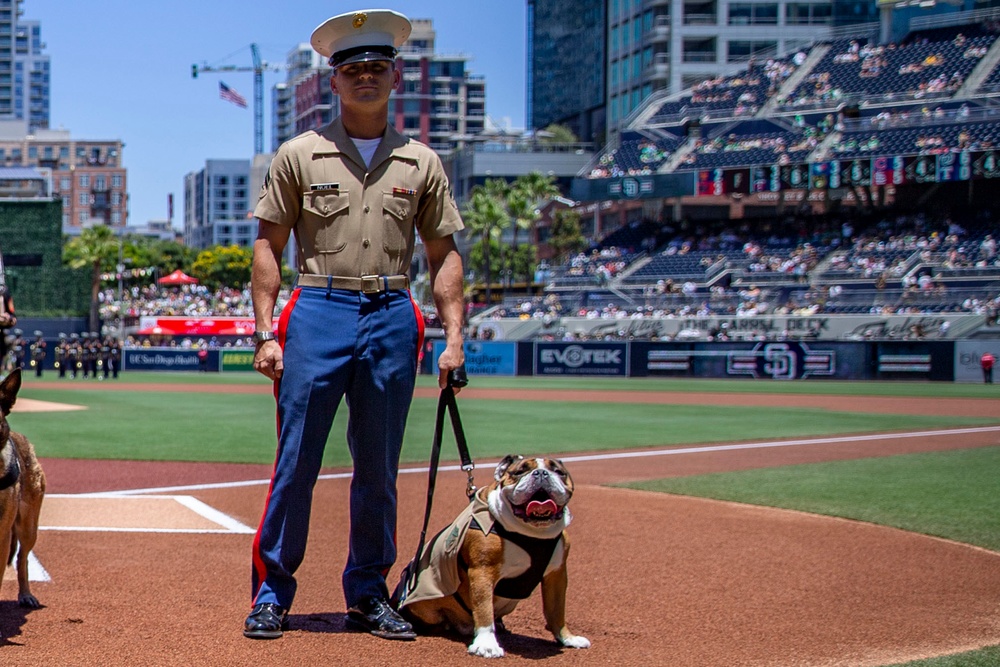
933,93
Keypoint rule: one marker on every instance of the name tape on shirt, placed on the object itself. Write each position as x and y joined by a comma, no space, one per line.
324,187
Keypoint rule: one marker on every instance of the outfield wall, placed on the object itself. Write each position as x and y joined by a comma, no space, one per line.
766,360
947,361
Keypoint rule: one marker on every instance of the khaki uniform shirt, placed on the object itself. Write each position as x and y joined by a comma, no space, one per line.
350,220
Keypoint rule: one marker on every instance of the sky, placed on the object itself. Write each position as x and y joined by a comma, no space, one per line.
121,69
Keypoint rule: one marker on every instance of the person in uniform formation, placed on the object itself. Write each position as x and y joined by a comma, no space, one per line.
61,355
38,348
111,356
89,356
355,192
75,355
19,348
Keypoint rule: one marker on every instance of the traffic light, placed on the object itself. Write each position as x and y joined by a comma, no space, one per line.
194,71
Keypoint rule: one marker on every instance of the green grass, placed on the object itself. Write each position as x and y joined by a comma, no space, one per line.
748,386
743,386
985,657
953,494
220,427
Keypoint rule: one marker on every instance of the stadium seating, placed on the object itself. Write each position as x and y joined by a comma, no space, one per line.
926,67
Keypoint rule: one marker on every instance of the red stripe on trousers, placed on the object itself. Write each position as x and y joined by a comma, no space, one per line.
258,564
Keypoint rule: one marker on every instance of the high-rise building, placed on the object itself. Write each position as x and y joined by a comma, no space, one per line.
438,101
24,69
218,205
649,46
566,63
304,100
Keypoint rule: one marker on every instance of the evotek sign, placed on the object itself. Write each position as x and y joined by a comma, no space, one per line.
581,359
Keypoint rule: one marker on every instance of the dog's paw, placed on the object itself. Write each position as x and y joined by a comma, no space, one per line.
575,641
29,601
485,645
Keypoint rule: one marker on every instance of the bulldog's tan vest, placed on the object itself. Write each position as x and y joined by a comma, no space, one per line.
438,569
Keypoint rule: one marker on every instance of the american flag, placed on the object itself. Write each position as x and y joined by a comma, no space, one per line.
227,93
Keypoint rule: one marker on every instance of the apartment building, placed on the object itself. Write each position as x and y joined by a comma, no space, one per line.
218,205
439,102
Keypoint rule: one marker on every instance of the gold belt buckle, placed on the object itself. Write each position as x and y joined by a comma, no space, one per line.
371,284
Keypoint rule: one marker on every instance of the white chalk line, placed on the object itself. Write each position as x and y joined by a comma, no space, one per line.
590,457
230,525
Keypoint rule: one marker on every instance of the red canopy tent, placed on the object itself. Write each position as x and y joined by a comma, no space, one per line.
178,277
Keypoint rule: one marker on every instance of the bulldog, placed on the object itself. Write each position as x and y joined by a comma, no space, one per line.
511,538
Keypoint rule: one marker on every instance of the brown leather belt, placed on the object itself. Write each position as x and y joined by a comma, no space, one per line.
364,284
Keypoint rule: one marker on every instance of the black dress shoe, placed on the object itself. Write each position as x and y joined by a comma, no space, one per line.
266,621
374,615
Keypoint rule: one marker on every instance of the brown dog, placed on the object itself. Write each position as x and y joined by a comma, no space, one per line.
22,487
511,538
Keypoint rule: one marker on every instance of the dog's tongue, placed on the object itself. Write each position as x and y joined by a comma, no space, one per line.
544,509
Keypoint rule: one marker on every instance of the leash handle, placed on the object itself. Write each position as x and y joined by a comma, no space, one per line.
446,402
457,377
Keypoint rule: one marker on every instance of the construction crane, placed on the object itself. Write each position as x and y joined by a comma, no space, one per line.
258,69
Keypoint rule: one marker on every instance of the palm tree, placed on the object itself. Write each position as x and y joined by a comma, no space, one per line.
524,196
486,218
96,247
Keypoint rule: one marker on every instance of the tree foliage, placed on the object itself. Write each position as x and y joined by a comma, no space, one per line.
565,236
497,206
223,266
558,134
486,218
96,249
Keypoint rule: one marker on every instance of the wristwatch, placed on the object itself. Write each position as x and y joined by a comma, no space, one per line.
261,336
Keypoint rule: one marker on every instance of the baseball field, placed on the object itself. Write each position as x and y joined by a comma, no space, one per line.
716,522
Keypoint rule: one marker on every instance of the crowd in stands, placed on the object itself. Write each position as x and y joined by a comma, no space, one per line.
634,157
192,301
932,65
821,255
871,252
601,263
186,300
924,67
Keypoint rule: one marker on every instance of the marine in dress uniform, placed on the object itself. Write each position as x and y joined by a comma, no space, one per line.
355,193
38,353
62,355
20,348
74,355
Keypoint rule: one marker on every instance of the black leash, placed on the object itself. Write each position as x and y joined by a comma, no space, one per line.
446,402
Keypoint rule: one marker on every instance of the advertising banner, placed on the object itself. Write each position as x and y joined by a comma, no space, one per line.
195,326
484,357
771,360
581,359
237,359
967,359
165,359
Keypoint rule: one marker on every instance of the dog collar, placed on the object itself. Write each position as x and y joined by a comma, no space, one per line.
13,472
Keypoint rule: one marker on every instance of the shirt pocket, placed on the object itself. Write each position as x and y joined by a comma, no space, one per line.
326,215
398,209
